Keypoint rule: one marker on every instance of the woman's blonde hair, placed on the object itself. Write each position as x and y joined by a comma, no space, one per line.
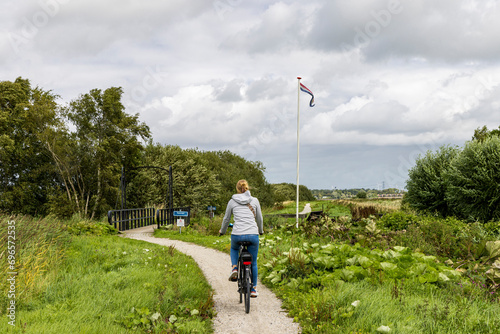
242,186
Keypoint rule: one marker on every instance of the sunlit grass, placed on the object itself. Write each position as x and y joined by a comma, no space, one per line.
105,283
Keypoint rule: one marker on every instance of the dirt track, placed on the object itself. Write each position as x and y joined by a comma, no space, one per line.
266,314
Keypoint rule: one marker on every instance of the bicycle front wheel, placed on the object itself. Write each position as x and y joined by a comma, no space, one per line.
247,286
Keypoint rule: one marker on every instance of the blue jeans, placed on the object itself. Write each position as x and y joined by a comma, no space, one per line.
252,249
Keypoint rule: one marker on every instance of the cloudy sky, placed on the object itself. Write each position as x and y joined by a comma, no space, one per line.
392,79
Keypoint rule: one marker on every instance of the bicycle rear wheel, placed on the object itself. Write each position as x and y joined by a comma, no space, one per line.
241,282
247,286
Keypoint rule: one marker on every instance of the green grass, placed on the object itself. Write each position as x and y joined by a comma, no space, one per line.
323,303
330,208
38,246
188,234
404,307
109,284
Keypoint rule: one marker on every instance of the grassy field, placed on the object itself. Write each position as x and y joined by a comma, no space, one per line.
330,208
103,284
396,273
372,275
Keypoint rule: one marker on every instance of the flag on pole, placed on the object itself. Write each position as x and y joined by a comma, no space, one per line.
308,91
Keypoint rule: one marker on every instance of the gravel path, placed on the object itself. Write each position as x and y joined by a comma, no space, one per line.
266,314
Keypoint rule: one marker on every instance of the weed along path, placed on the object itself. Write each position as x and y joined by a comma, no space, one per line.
266,314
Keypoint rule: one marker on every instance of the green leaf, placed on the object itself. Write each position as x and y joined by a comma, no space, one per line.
493,248
352,261
429,258
443,278
418,269
431,277
365,262
390,254
346,275
323,261
386,266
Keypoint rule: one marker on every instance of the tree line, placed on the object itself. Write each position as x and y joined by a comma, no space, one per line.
68,159
462,182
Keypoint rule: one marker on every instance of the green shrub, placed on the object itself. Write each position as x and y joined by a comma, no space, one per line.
397,220
473,190
445,238
361,194
493,227
91,228
204,225
427,184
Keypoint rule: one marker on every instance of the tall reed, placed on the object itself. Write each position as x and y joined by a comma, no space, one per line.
39,250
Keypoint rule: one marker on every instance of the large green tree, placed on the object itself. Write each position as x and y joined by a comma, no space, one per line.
288,192
194,184
199,178
480,134
27,175
427,183
473,190
229,169
104,139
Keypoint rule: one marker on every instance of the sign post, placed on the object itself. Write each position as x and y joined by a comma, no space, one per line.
211,210
180,221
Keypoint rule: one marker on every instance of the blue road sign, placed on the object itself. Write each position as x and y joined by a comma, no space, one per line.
211,208
180,213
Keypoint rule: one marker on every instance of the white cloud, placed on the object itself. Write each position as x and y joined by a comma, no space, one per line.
388,75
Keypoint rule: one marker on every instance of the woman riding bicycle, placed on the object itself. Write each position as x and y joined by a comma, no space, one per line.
248,224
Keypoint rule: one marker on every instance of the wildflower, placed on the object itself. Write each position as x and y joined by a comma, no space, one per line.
146,250
124,253
355,303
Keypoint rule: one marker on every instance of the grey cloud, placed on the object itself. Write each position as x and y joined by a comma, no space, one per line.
277,30
86,28
375,117
229,92
486,110
232,81
266,89
435,30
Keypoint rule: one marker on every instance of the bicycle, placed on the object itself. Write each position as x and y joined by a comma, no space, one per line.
245,274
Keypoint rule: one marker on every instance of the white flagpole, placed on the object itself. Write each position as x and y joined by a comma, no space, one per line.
298,140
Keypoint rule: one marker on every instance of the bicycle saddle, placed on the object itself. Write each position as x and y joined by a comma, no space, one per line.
244,243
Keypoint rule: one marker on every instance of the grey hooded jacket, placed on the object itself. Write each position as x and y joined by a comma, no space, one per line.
244,220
